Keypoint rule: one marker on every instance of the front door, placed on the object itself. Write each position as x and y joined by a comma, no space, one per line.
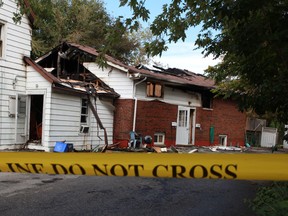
185,129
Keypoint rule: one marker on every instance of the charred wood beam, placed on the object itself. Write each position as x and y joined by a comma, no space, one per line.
58,65
94,111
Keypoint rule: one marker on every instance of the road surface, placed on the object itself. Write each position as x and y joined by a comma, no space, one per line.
35,194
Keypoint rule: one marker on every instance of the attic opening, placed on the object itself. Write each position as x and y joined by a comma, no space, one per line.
36,115
66,62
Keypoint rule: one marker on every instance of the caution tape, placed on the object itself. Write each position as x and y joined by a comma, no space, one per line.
210,166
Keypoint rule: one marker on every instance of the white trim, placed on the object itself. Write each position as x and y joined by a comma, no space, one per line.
3,38
30,93
189,130
117,66
193,125
223,137
87,123
163,138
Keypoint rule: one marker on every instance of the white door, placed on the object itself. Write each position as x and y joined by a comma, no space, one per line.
183,125
21,119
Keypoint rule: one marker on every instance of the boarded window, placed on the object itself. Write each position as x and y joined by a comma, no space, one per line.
150,89
158,90
154,90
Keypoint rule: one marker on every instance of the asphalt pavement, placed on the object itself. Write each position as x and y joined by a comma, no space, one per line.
37,194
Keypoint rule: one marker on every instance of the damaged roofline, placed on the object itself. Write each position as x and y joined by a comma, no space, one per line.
117,66
138,73
57,83
49,77
171,82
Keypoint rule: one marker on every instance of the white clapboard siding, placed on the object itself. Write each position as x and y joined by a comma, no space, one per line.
64,122
113,77
17,43
39,82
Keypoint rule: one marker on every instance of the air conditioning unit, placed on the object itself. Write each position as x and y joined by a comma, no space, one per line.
84,129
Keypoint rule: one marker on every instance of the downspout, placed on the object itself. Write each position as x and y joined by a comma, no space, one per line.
136,100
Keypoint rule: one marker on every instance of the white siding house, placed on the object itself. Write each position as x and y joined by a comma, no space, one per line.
58,112
37,109
114,76
15,42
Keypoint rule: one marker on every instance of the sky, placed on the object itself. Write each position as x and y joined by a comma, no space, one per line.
179,55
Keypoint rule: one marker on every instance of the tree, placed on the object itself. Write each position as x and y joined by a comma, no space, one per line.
251,37
81,21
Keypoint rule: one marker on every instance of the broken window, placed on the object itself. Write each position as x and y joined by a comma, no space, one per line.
159,138
154,90
207,100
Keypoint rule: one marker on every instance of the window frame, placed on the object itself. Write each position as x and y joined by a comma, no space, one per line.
207,100
85,123
152,89
156,140
223,138
3,33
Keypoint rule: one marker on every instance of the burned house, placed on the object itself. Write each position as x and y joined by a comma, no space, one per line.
67,101
176,107
173,106
66,96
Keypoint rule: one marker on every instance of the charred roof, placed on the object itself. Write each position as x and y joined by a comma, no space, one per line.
80,53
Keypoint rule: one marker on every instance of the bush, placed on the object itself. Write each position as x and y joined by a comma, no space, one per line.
271,200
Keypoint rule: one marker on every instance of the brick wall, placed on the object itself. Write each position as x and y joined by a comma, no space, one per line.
226,120
156,116
123,120
152,117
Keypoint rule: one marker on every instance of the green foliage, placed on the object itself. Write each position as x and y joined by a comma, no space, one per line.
19,13
85,22
251,38
271,200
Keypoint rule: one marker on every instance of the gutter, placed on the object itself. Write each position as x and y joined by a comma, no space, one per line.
136,100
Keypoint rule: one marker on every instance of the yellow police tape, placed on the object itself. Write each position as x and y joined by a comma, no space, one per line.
211,166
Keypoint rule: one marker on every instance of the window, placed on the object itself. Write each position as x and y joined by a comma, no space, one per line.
84,111
159,138
2,40
207,100
182,118
223,140
154,90
84,116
